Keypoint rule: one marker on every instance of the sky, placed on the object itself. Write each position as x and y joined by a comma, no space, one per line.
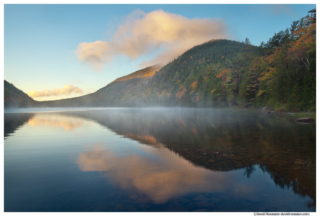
61,51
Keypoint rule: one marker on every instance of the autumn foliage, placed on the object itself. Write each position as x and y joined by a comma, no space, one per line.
224,74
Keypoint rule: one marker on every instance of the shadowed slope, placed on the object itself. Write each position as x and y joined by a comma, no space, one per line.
14,97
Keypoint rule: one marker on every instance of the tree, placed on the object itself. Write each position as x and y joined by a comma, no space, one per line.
247,41
305,44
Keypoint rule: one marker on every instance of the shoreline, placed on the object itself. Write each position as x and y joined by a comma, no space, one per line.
299,114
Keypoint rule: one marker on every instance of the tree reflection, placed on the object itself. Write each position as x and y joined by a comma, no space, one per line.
249,170
13,121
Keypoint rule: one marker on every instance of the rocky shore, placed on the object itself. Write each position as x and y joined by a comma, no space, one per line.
306,118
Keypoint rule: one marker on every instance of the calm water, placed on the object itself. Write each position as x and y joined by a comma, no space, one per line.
158,160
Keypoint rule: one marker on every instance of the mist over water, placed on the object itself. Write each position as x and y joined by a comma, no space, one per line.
56,109
157,159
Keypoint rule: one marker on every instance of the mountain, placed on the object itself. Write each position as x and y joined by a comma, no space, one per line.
110,94
150,88
14,97
168,86
280,74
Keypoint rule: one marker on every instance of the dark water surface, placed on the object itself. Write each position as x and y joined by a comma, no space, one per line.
158,160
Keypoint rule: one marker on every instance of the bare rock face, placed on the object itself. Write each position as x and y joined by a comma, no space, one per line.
305,120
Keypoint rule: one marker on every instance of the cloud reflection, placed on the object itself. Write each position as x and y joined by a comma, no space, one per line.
57,121
162,177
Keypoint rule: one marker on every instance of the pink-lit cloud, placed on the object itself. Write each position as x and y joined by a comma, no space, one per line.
66,90
55,121
147,33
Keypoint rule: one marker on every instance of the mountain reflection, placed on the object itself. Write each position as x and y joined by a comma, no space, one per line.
54,120
144,139
224,140
13,121
192,143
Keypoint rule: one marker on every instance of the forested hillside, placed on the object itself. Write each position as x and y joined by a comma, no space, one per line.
14,97
280,74
162,88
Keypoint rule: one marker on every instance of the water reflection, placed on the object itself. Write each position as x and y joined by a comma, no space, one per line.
188,152
56,121
144,139
13,121
225,140
161,177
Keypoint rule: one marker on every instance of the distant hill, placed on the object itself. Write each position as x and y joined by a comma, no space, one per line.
146,87
169,86
165,87
108,95
14,97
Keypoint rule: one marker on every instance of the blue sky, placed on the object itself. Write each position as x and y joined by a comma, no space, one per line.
40,40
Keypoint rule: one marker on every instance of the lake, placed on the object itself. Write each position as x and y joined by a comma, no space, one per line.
161,159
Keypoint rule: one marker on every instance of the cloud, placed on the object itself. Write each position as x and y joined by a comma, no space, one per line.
146,33
276,9
66,90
